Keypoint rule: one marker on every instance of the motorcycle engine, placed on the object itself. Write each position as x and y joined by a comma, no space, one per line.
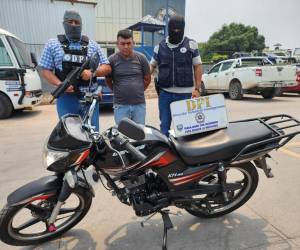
143,192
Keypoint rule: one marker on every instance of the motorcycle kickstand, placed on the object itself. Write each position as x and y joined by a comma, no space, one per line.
167,225
143,222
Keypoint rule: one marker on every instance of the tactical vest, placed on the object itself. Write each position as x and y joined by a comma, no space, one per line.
72,58
175,65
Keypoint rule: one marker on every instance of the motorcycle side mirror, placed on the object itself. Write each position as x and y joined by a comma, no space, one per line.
131,129
94,62
33,59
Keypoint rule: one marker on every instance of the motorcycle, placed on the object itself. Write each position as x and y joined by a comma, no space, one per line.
208,175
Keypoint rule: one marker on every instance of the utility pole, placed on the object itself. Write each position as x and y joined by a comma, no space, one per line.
167,18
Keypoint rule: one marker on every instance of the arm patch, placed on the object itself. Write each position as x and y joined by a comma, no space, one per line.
193,45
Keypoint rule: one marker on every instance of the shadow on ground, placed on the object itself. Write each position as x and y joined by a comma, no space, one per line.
234,231
74,239
24,114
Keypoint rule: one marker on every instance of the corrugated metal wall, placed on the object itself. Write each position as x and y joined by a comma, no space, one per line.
36,21
113,15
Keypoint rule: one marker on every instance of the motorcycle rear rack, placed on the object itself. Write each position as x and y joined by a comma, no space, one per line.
284,128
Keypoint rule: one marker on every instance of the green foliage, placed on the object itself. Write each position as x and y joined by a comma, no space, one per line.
206,55
218,57
231,38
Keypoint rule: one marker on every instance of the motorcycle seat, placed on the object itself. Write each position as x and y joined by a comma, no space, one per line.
220,145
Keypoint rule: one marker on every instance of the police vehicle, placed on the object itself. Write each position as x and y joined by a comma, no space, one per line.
20,84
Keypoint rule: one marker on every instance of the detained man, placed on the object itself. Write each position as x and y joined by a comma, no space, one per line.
129,79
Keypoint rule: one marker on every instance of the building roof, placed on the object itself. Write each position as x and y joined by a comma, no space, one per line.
148,23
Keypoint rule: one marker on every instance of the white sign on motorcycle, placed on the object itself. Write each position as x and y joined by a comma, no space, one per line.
193,116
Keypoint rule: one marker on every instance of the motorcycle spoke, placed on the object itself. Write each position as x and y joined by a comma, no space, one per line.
69,210
27,224
63,217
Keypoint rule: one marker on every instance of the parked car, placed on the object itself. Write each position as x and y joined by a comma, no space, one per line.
107,94
275,59
285,56
278,57
254,75
240,54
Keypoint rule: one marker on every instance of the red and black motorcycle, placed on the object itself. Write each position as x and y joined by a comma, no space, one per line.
208,175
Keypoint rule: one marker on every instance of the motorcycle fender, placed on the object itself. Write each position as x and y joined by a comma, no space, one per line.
262,163
35,190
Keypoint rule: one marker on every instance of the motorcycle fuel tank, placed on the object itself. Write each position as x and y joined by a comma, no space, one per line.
120,161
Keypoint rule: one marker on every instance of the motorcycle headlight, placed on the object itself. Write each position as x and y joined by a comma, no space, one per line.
51,156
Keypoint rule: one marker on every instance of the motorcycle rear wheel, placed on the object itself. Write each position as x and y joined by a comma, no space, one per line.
236,198
26,233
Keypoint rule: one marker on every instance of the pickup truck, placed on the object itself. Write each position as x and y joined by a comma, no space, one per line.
253,75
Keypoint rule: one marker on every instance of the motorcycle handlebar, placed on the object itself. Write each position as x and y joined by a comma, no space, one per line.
135,152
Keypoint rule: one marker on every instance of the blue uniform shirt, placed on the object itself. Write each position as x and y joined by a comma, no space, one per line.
53,52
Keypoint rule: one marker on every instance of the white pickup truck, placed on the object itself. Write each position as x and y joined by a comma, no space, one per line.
20,84
254,75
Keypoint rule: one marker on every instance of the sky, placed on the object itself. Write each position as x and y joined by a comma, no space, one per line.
277,20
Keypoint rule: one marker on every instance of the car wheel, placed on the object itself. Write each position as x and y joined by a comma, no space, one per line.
235,91
6,107
269,94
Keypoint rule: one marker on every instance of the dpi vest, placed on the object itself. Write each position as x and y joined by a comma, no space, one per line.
72,58
175,65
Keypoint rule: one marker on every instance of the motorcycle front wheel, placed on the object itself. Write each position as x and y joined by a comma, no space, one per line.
27,224
213,205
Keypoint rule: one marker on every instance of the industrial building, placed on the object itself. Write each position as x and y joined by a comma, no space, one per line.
36,21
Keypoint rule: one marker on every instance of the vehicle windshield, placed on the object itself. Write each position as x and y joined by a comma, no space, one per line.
20,51
4,57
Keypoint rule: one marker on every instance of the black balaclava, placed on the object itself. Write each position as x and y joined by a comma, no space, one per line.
73,32
176,23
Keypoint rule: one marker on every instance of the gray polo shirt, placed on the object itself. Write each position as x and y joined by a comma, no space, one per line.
128,78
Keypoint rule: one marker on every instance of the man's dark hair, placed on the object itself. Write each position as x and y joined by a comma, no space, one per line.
126,34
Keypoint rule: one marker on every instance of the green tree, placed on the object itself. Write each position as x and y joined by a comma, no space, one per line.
229,39
235,37
206,55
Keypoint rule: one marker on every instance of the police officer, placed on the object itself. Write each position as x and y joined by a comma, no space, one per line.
179,70
67,51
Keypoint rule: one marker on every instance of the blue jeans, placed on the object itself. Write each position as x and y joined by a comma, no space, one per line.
69,104
164,100
136,112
